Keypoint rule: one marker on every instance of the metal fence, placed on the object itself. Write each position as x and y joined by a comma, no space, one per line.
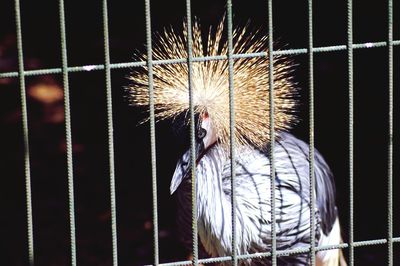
310,50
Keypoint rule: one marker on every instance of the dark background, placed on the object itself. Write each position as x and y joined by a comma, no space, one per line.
41,42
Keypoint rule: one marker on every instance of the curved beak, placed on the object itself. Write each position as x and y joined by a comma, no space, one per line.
183,167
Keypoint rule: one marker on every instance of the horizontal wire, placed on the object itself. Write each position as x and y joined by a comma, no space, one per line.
370,242
283,253
299,51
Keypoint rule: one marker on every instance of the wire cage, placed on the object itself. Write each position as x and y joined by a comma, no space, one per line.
112,143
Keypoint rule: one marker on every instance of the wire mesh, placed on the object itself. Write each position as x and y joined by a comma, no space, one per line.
288,252
152,132
127,65
110,128
232,133
311,131
108,66
351,122
272,132
390,133
24,108
195,250
68,134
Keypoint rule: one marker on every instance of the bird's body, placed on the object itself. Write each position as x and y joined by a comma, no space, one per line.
211,94
292,198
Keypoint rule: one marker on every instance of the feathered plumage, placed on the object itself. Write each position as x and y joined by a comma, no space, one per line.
253,189
211,85
292,197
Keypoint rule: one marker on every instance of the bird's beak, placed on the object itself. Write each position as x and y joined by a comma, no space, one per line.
183,168
198,149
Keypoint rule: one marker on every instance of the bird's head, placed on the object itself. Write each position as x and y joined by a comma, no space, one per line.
211,89
205,138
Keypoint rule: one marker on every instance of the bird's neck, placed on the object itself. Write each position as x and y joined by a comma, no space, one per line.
214,204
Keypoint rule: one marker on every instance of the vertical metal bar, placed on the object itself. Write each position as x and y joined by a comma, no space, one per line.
24,108
195,260
311,130
272,129
110,128
390,148
152,131
232,131
68,134
351,122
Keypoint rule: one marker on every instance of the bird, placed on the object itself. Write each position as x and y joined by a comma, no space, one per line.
252,140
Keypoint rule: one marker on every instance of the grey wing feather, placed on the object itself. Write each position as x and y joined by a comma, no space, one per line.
324,182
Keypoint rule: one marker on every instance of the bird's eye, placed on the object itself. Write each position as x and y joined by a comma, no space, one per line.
202,133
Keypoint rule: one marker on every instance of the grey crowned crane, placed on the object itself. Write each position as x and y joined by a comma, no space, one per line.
253,189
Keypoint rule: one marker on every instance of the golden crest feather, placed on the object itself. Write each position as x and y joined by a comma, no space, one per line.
210,83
